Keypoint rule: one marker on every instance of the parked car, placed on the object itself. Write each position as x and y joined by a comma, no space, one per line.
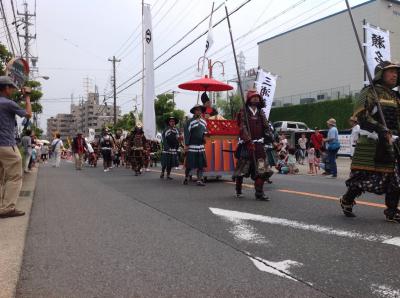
291,126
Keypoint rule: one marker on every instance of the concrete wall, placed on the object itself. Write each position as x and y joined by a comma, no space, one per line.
324,54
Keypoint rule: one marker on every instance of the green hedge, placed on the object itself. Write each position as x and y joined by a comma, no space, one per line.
316,114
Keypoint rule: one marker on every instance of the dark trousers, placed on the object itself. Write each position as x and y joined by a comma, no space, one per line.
332,161
258,186
391,200
166,168
199,173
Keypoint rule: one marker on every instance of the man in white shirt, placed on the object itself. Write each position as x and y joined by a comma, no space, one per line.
56,147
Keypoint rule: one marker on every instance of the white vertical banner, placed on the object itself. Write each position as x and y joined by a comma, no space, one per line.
266,85
149,116
377,46
210,36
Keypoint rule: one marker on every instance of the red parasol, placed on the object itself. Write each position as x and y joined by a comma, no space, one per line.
205,84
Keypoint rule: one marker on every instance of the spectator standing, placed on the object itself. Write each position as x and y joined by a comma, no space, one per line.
333,146
44,152
303,147
291,161
26,143
78,149
311,160
317,139
283,142
10,158
56,148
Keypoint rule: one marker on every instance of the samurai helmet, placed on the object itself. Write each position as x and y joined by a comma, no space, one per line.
172,118
253,93
381,67
204,97
203,109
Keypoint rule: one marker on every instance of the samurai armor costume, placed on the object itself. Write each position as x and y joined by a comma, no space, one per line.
106,146
137,148
253,163
195,131
169,155
374,166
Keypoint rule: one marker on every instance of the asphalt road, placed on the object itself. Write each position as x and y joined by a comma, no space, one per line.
95,234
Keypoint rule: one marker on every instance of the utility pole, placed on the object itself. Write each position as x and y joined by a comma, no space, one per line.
114,60
27,37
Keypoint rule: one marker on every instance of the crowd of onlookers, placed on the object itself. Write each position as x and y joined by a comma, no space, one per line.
316,151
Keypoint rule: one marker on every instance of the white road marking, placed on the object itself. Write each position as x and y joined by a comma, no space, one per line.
385,291
245,232
393,241
276,268
236,215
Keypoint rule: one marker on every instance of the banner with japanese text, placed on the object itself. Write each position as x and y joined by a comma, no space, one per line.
377,46
266,85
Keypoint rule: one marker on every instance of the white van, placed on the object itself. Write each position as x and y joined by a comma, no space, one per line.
291,126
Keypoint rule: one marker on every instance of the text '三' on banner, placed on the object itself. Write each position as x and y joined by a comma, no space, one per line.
266,85
377,46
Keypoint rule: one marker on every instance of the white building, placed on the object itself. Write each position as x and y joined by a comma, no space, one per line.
321,60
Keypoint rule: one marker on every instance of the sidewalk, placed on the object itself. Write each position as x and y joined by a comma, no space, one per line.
343,168
12,235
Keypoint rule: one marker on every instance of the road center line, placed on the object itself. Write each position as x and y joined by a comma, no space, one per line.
306,194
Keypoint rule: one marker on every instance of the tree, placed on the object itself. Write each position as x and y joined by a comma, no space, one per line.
5,56
126,122
230,108
165,108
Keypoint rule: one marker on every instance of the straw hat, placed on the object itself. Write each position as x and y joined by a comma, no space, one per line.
331,121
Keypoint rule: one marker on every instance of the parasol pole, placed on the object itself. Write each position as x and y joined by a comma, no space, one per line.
240,81
378,105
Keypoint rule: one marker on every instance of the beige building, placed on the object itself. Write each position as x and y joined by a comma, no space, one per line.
92,114
87,114
63,124
321,60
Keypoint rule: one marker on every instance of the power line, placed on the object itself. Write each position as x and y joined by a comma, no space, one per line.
186,34
7,28
259,36
16,26
163,17
182,49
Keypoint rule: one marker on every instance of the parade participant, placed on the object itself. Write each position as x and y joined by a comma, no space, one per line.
155,150
251,149
91,156
78,149
118,148
170,143
209,110
195,131
147,153
124,153
106,147
374,166
137,143
355,131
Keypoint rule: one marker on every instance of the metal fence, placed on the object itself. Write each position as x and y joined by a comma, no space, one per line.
314,96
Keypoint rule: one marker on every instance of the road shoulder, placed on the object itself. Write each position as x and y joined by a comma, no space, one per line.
12,235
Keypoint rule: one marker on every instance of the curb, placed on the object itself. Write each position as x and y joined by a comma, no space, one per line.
12,235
